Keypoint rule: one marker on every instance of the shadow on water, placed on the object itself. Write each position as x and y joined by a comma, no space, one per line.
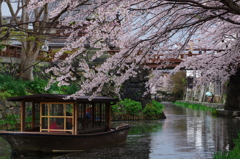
184,134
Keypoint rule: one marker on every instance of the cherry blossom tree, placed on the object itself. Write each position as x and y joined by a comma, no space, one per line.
142,29
30,27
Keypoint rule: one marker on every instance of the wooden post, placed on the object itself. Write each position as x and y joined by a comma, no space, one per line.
33,114
101,116
108,115
75,118
22,116
93,115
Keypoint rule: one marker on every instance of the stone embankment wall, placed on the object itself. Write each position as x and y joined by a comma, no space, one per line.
135,87
209,105
8,108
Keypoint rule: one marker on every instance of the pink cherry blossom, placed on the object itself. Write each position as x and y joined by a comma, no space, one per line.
143,30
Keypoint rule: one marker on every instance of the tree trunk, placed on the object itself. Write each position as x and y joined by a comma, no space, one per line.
29,54
30,38
26,68
233,92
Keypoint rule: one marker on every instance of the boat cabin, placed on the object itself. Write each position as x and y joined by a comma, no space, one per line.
54,113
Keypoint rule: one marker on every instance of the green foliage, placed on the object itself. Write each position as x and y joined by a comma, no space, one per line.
11,120
1,46
23,37
31,38
71,89
55,89
132,107
36,86
72,23
127,106
10,86
117,109
153,109
5,95
179,84
195,106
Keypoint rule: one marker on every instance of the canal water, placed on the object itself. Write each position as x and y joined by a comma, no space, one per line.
185,134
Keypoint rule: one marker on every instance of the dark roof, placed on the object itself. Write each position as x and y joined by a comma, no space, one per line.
60,98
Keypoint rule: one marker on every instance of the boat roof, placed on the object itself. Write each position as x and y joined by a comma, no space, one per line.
61,98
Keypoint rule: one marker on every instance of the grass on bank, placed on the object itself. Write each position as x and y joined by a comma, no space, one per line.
232,154
195,106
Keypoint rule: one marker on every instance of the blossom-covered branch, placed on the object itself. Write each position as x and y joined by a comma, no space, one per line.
140,29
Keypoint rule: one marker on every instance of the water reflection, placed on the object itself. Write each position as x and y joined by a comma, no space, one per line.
193,134
184,134
5,149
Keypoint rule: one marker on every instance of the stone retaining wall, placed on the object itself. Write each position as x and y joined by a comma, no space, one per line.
135,87
9,108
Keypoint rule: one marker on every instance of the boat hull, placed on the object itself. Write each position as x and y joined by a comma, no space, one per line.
43,142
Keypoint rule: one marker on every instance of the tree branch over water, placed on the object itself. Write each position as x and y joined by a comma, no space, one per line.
147,27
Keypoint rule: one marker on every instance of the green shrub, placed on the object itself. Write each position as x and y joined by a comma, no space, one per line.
5,95
132,107
55,89
118,109
10,86
71,89
153,109
36,86
127,106
11,120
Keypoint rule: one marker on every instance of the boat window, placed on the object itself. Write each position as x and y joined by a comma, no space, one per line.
56,109
32,116
56,117
91,116
44,109
36,117
44,122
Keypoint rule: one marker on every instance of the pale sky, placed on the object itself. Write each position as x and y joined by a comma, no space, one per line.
5,10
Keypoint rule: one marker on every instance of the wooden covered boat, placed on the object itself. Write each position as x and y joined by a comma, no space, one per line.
51,123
